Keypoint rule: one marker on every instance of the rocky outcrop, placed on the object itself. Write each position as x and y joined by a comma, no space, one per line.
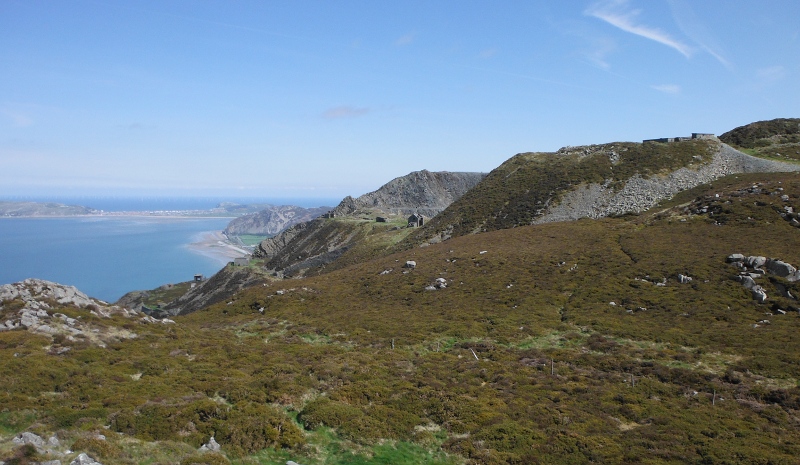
84,459
754,267
638,194
315,244
272,220
424,192
49,447
211,446
38,306
270,247
215,289
33,291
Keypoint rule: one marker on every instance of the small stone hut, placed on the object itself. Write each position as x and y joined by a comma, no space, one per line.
415,220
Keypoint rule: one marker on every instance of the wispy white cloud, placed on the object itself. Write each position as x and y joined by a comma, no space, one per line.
619,14
693,27
601,47
668,88
344,111
406,39
771,74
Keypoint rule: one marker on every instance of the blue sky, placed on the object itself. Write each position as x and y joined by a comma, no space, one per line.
332,98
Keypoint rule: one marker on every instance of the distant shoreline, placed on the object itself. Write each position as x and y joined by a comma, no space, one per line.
120,215
214,244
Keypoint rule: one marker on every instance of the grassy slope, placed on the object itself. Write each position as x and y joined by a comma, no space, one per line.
359,362
358,236
520,189
777,139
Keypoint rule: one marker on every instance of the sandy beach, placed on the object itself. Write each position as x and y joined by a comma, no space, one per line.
214,244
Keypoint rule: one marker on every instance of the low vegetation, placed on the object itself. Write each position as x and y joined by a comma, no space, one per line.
557,343
521,189
776,139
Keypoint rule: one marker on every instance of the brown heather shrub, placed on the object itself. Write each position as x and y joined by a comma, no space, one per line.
97,447
23,455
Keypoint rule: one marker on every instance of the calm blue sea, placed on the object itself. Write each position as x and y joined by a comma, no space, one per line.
127,204
105,257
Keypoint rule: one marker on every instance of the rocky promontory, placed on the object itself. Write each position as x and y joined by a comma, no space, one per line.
272,220
424,192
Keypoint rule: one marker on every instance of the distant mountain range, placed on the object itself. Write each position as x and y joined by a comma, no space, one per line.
36,209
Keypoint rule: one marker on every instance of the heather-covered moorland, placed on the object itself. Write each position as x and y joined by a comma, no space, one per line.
568,342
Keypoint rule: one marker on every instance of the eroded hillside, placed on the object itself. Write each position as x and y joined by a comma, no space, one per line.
587,182
362,227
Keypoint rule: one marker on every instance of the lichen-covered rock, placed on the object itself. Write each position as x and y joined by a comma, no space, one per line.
29,438
39,314
83,459
759,294
754,261
782,269
210,446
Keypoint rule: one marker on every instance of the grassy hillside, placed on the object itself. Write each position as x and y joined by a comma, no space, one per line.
521,189
777,138
551,343
332,243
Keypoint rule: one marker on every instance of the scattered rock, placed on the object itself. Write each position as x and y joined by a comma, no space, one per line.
210,446
755,261
410,264
782,269
29,438
759,294
84,459
747,281
683,279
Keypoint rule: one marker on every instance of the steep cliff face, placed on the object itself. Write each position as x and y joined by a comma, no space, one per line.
316,244
272,220
215,289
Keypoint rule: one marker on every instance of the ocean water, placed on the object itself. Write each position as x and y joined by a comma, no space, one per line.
127,204
105,257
